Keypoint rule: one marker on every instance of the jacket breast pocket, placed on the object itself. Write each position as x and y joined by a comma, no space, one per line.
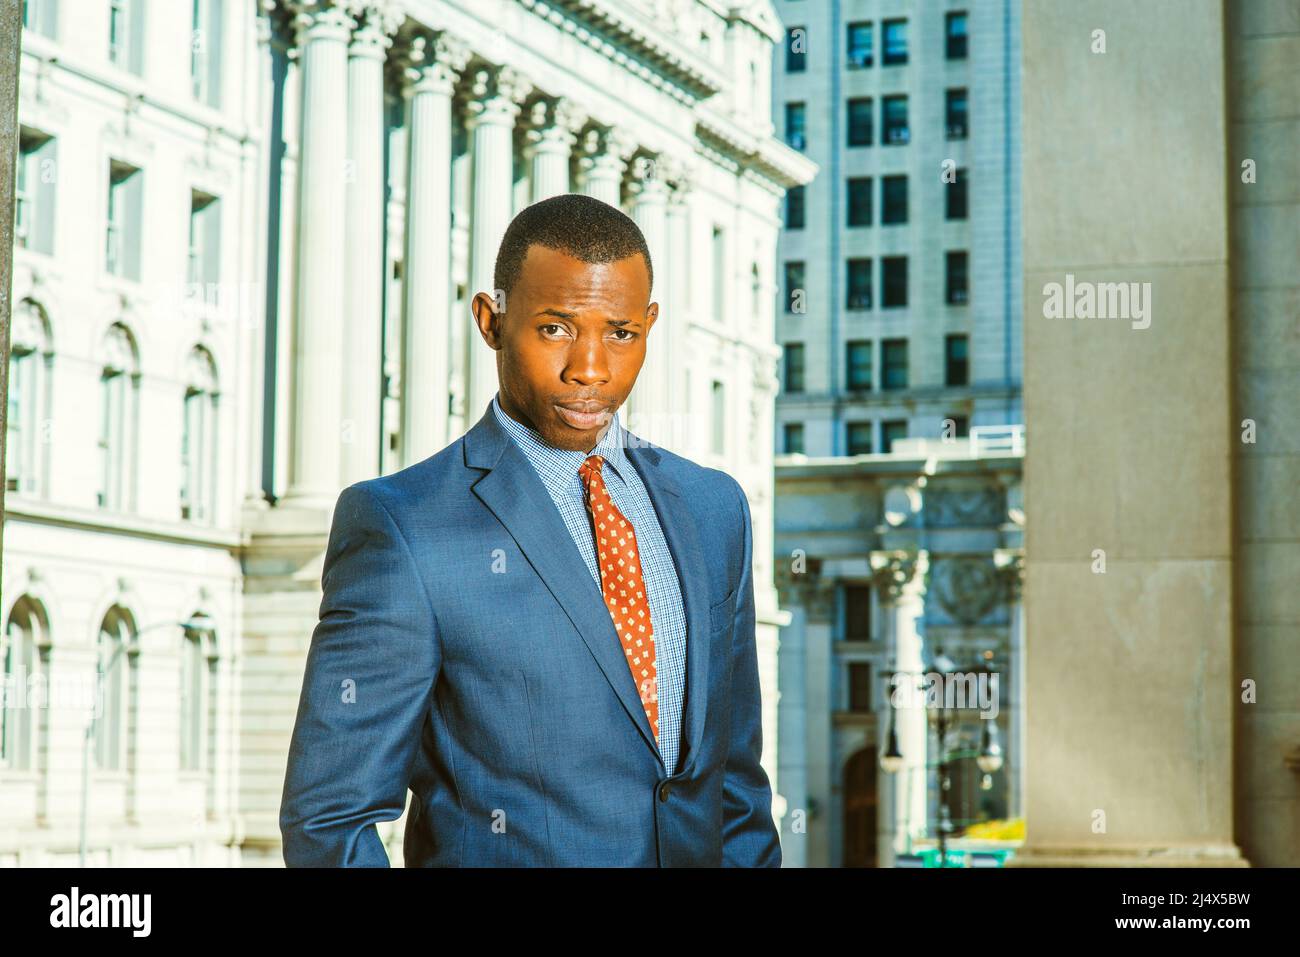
722,614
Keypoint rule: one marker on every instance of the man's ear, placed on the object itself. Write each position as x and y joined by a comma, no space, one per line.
651,314
486,318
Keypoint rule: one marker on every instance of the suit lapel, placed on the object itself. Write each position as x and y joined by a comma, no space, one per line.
514,493
682,536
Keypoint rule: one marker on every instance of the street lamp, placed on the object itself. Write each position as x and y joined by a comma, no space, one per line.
196,622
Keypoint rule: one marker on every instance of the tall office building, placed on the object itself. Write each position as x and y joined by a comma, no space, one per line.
248,235
899,310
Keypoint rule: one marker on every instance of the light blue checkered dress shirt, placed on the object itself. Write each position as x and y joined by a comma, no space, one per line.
558,470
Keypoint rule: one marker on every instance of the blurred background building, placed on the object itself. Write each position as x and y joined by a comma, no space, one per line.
899,318
248,235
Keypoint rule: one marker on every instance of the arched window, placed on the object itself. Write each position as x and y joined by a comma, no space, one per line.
119,400
199,439
198,693
31,358
116,645
22,646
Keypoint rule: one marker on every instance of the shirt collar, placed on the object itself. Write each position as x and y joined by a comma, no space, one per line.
550,460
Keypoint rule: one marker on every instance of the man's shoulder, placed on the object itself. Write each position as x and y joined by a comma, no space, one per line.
421,483
700,483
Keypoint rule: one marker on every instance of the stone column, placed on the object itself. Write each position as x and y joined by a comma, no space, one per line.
603,161
553,126
899,590
364,217
673,326
1011,563
427,273
314,466
649,400
496,95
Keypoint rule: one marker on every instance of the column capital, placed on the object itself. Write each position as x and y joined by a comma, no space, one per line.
496,94
381,17
1010,563
891,572
607,147
553,125
432,62
649,178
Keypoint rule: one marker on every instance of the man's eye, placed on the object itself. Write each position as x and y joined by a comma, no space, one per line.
549,326
630,333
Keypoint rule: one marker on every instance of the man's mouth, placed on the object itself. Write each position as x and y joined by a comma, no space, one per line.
584,414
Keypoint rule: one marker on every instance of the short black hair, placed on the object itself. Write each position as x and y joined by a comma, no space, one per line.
580,226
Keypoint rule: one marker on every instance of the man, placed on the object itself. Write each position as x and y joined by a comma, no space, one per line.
545,630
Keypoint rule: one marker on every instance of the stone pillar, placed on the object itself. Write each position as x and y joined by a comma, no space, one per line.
1129,601
649,400
496,94
362,349
603,161
314,466
899,578
673,327
553,126
1012,564
427,272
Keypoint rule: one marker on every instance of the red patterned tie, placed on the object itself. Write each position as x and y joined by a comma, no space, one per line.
623,586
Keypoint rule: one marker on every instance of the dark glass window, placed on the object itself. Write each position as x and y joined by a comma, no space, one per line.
956,196
859,291
857,616
894,130
955,35
895,51
794,367
793,437
893,364
859,438
860,45
893,281
893,200
860,201
955,114
795,198
957,278
960,426
858,362
956,361
859,686
796,50
796,117
795,291
860,121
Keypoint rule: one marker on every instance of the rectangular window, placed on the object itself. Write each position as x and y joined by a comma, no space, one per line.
956,362
894,128
893,200
126,35
794,288
895,52
860,45
205,51
891,432
859,290
860,201
795,132
795,197
859,686
857,616
893,364
860,121
796,50
793,367
34,183
955,114
960,426
39,16
719,418
956,197
893,281
205,238
859,438
858,363
792,438
955,35
122,233
956,280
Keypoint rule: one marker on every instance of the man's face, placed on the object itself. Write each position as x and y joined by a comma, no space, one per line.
570,344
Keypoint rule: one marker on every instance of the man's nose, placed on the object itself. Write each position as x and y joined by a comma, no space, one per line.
588,363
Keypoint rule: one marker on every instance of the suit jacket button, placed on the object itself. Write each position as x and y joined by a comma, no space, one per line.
663,792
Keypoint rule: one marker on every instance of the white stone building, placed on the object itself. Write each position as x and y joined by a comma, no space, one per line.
248,237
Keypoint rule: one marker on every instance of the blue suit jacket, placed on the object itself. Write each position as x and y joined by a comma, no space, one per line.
464,652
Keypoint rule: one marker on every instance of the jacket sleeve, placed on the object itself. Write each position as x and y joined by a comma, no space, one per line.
366,693
749,835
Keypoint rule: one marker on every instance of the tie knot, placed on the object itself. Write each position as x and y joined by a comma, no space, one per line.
592,464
